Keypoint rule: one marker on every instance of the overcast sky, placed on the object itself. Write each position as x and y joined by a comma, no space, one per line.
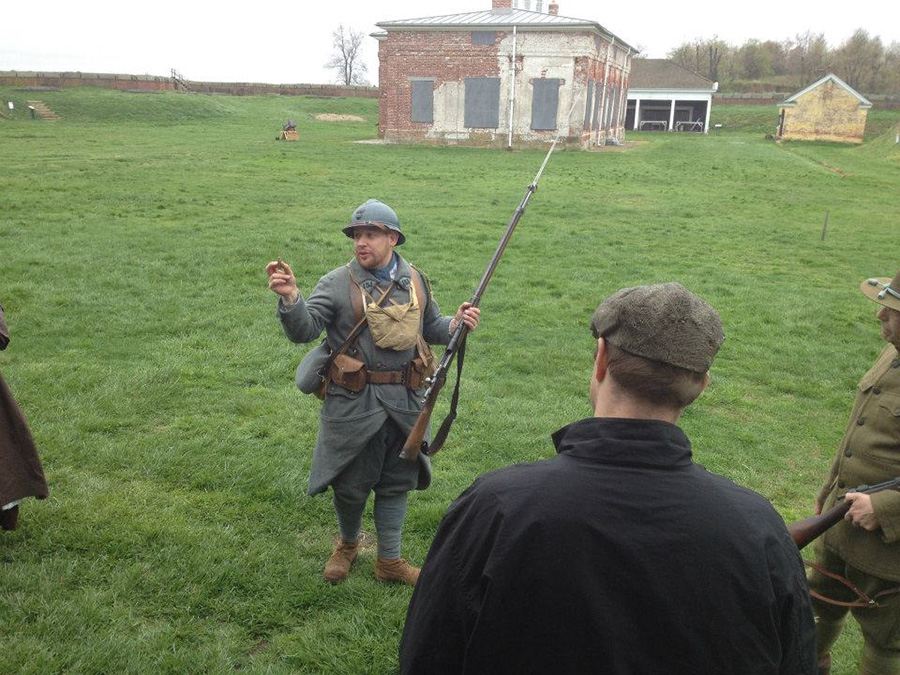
284,42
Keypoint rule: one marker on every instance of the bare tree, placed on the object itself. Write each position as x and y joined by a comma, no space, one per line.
701,56
808,57
859,60
346,60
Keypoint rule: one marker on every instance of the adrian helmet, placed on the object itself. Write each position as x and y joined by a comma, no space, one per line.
376,213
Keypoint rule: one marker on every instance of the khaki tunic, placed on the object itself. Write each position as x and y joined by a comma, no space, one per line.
349,419
868,454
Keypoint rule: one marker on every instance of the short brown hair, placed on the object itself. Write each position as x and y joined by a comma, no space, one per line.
652,381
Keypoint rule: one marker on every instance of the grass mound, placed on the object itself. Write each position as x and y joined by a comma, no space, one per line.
95,106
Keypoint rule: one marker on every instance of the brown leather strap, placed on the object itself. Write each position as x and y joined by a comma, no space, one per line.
354,334
863,600
356,301
386,376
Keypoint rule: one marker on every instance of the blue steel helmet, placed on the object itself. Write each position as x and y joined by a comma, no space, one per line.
376,213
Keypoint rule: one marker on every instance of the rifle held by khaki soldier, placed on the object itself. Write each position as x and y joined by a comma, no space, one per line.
806,530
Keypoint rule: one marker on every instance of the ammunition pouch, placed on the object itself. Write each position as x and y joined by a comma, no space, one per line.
421,367
348,373
352,374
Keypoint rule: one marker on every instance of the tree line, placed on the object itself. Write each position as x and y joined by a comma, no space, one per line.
862,61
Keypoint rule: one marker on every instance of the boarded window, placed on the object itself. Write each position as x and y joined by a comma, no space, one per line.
482,102
596,119
483,37
423,101
617,97
544,104
587,109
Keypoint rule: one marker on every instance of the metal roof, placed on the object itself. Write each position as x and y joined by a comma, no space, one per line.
665,74
499,18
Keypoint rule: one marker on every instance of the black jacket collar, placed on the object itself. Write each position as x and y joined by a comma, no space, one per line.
625,441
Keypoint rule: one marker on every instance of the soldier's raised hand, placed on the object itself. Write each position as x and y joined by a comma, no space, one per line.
282,281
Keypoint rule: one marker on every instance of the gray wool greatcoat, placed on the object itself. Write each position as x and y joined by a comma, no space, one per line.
348,420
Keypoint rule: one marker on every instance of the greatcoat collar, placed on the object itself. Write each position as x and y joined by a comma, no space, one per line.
368,281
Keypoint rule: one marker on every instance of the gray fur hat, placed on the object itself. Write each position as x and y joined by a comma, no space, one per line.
378,214
663,322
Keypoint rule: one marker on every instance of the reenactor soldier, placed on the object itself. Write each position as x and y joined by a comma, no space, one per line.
21,473
858,560
379,317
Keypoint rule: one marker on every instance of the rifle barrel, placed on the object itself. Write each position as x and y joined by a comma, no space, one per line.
415,439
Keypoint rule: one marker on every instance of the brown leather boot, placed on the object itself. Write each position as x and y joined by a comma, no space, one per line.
825,665
338,566
396,569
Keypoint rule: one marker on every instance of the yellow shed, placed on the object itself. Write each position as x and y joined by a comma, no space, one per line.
827,110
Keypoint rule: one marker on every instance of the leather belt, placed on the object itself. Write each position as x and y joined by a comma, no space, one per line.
386,376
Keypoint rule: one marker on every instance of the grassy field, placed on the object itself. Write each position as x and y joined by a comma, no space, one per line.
159,386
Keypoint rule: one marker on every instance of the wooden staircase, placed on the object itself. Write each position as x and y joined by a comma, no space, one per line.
42,111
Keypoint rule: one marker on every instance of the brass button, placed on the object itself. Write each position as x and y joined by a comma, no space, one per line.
860,422
848,453
876,390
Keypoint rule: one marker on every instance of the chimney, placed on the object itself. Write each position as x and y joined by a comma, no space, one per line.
501,4
552,9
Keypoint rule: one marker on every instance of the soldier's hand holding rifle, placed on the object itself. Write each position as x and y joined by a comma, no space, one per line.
861,513
282,281
469,315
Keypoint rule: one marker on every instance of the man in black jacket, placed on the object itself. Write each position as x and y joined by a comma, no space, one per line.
619,554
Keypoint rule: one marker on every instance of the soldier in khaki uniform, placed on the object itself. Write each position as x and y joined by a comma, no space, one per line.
865,548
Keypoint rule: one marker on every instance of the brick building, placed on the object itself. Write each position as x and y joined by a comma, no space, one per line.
827,110
504,77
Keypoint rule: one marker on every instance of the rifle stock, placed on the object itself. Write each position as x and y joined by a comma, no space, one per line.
416,438
806,530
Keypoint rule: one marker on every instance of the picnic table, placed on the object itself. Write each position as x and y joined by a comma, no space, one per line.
657,125
688,125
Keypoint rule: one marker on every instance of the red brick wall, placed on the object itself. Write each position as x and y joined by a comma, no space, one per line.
445,56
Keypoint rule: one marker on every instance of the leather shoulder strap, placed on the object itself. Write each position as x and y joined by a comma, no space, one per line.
356,301
422,285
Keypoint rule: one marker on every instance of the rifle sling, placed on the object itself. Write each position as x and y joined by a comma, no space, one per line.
444,429
863,601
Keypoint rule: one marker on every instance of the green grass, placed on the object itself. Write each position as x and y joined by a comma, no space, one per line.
763,119
159,387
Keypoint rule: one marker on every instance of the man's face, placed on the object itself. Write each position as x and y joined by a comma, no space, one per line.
890,325
373,246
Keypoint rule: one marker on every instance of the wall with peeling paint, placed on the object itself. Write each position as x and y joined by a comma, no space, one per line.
827,113
449,57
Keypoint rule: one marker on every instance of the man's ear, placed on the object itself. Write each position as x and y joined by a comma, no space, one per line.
394,237
601,360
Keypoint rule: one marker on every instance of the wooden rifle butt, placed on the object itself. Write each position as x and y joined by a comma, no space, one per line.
410,451
806,530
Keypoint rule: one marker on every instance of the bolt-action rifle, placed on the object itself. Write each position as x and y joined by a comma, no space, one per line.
415,442
806,530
